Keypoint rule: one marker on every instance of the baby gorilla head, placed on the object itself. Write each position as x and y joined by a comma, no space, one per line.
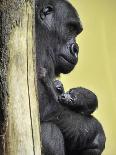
79,99
57,24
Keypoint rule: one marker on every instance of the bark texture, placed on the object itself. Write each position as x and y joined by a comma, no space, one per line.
19,120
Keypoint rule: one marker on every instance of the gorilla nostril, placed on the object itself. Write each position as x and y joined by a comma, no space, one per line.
74,49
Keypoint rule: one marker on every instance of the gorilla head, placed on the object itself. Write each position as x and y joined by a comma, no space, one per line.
57,25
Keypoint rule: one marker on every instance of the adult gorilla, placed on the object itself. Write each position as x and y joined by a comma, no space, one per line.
64,132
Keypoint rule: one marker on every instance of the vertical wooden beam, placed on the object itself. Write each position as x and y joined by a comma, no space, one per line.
19,115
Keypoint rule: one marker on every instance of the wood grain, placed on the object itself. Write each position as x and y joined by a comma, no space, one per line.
21,136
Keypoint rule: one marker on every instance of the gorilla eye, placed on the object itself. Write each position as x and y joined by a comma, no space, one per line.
46,11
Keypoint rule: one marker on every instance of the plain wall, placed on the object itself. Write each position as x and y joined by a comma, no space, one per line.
96,68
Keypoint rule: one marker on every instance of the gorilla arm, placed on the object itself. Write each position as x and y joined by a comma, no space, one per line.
48,84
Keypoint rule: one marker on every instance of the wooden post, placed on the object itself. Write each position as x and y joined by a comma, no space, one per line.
19,116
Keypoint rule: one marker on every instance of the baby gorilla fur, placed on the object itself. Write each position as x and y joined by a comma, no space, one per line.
80,100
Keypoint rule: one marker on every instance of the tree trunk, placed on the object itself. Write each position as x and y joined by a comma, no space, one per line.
19,119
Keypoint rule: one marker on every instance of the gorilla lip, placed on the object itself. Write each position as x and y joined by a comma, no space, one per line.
71,61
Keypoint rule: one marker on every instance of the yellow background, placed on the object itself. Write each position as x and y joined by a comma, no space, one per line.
96,68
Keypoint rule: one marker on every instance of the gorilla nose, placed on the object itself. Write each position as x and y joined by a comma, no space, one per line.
74,49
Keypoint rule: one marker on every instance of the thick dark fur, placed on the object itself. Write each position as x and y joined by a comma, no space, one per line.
80,100
64,132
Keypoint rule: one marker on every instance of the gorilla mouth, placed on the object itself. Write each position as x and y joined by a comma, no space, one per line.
65,59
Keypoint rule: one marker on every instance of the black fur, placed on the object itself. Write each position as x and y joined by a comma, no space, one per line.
80,100
64,132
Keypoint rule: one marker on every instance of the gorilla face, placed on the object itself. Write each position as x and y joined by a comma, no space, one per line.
60,24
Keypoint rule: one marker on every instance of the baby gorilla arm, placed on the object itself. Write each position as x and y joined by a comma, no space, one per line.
79,99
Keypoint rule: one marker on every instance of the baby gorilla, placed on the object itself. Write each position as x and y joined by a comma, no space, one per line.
82,132
80,100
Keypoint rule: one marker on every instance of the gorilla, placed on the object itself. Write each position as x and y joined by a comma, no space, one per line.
80,100
63,131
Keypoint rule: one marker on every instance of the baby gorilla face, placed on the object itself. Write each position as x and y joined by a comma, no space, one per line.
68,98
60,24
